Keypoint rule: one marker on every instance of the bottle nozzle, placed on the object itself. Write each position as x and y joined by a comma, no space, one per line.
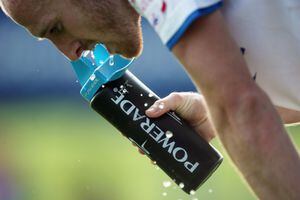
97,67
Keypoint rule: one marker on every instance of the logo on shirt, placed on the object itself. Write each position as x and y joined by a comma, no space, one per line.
158,15
164,7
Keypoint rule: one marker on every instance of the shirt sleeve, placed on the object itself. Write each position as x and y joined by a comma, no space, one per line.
171,18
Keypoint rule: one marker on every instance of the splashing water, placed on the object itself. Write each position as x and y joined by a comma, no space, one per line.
93,77
192,192
161,106
111,60
92,55
169,134
181,185
167,184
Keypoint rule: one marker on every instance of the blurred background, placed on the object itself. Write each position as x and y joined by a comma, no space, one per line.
53,146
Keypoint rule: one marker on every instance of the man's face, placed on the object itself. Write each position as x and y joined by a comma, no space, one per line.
77,25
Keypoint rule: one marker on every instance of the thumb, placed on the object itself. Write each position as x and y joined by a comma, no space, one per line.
173,102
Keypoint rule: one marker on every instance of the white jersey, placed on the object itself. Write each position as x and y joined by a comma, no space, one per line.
267,30
171,18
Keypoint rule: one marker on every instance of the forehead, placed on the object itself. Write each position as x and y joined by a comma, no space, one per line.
25,12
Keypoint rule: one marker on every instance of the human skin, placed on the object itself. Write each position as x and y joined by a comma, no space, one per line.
77,25
192,107
243,116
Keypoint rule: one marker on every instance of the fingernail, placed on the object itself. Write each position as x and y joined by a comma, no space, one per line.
152,109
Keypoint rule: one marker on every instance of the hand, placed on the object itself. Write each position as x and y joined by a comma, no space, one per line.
191,107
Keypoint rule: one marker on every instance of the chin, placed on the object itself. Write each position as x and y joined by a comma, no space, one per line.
131,50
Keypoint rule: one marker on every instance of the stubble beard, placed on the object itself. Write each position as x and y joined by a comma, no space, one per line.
117,22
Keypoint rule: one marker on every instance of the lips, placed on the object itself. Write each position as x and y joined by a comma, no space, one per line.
79,51
111,50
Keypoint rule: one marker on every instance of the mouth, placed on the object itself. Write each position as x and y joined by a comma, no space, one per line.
112,50
79,52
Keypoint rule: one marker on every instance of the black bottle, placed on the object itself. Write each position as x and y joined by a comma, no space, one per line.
175,147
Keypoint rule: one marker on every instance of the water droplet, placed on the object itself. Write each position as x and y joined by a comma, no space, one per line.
150,95
141,95
154,162
167,184
85,53
146,104
103,86
161,106
156,167
192,192
77,81
115,90
181,185
121,86
111,60
210,190
169,134
174,187
164,194
93,77
195,198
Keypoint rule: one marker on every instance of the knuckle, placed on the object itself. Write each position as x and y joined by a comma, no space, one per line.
176,97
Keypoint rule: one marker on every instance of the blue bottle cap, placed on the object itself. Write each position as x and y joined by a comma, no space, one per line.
96,68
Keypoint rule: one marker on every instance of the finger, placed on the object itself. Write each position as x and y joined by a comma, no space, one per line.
162,106
141,151
205,130
133,144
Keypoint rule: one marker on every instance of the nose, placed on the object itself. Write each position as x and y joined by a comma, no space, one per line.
70,47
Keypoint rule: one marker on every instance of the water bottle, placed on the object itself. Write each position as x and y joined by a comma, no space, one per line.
122,99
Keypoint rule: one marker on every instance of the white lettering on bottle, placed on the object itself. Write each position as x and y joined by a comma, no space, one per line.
166,144
191,167
178,153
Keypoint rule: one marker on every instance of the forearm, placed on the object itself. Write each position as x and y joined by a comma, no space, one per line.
247,123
